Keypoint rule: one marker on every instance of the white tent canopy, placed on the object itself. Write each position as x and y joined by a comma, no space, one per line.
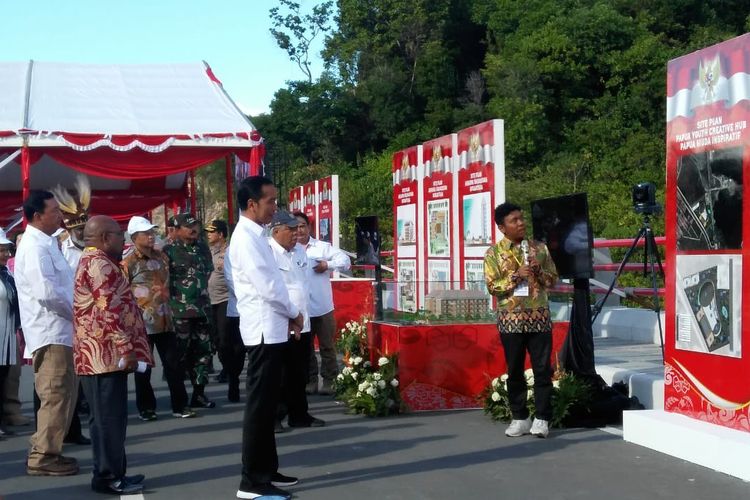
124,122
156,100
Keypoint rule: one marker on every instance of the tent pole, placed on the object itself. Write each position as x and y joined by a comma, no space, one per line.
166,216
25,174
230,190
192,193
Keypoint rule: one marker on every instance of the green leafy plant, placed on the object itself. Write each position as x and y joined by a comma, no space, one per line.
568,392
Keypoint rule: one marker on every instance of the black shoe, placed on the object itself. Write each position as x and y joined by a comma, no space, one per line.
278,428
262,490
135,478
117,486
147,415
201,401
222,377
279,479
233,393
309,422
186,412
6,432
81,440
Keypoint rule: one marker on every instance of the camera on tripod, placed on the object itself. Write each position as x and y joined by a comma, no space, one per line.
644,199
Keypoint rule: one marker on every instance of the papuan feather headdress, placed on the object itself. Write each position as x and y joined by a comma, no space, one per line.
75,209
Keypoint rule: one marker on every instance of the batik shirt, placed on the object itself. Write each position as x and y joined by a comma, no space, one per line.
107,321
518,313
189,269
149,281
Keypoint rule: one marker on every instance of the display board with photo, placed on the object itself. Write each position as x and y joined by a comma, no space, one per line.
709,200
709,294
474,274
406,230
438,275
438,228
407,285
477,222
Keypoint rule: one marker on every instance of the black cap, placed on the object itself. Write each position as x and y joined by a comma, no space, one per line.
218,226
183,220
283,218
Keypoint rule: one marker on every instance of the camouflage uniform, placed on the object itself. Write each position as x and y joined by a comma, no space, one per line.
189,268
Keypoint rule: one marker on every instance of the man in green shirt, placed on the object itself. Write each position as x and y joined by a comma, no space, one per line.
189,268
518,273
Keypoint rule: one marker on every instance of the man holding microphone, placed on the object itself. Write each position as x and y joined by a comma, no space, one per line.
518,273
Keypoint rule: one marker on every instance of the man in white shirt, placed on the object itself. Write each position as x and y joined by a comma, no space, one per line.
45,292
292,261
267,317
322,259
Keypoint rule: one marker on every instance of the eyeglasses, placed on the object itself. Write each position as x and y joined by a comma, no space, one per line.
5,250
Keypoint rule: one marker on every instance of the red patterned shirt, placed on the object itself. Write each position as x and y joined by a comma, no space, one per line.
108,323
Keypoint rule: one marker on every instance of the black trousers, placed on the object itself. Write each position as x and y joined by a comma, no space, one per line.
259,457
166,345
219,313
294,377
107,395
232,349
3,375
539,347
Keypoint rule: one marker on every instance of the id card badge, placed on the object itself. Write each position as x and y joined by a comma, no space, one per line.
522,290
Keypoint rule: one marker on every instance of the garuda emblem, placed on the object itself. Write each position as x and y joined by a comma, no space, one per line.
475,144
708,78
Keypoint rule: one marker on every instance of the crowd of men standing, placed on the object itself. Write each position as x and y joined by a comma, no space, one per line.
89,315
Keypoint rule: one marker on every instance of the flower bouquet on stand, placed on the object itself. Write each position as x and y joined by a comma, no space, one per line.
364,388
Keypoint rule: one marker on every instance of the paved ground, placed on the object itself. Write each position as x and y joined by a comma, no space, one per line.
448,455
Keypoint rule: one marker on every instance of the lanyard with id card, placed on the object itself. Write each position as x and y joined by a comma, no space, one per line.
522,289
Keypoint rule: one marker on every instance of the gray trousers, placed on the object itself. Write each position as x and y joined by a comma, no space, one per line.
324,328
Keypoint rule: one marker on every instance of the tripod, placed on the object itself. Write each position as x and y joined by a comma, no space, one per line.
650,261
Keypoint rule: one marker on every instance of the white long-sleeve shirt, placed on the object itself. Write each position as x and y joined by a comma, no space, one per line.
71,253
45,291
262,297
321,294
293,267
232,302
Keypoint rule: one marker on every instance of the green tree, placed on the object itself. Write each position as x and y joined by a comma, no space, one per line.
295,32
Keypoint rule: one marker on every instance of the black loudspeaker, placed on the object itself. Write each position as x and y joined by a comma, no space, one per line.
563,224
368,239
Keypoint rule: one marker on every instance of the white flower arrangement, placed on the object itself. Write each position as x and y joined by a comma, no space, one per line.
568,391
365,387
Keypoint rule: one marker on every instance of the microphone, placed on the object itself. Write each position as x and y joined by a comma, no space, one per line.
525,250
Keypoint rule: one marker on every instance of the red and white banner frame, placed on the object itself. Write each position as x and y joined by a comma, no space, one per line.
480,187
708,158
439,220
407,174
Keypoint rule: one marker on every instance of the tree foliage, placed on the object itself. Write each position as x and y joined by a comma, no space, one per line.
580,85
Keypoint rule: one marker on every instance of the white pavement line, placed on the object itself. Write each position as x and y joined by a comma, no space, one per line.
137,496
612,430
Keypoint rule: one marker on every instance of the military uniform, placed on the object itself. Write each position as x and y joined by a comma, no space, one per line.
189,268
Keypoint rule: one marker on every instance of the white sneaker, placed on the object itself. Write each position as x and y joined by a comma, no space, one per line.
540,428
518,428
